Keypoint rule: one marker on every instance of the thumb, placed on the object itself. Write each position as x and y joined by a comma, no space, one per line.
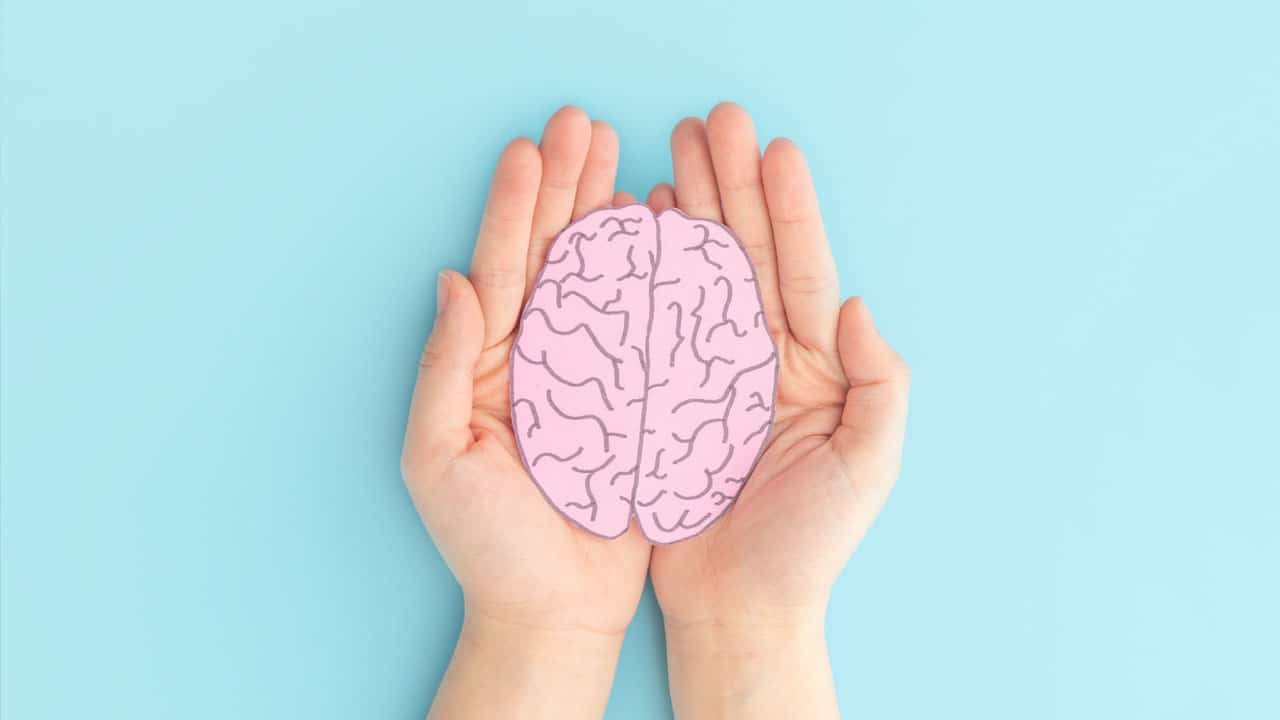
875,411
440,415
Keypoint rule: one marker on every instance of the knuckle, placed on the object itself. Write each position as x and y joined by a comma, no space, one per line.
500,278
746,183
793,219
416,467
412,464
430,357
901,370
806,283
422,459
409,465
502,218
758,246
701,207
562,184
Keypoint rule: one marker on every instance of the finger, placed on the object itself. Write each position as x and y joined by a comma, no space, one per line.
695,176
440,415
806,269
735,154
595,187
564,152
661,197
869,439
498,262
621,199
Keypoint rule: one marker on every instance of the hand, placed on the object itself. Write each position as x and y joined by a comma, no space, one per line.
744,602
546,604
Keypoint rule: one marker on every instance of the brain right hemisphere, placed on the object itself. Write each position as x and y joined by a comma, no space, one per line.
643,377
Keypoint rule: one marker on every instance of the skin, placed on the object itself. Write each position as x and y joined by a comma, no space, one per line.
744,603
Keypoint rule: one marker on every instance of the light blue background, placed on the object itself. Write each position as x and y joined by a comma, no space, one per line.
221,228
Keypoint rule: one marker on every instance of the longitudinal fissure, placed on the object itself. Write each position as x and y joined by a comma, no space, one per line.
655,258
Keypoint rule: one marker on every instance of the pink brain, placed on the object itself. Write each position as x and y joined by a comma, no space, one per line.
643,377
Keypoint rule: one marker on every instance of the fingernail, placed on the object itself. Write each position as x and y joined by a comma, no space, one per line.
442,292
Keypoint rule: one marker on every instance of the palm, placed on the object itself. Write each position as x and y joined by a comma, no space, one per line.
833,451
513,558
795,521
533,561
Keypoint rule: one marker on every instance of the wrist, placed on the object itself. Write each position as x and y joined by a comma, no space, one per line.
557,644
518,669
766,667
744,636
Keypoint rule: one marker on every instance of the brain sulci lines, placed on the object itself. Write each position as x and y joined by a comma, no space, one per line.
643,376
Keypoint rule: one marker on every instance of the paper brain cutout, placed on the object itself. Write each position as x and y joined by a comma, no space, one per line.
643,321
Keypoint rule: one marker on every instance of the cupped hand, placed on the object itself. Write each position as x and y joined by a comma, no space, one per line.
519,563
735,598
833,454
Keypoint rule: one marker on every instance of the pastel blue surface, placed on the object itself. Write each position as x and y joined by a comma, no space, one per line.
221,228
